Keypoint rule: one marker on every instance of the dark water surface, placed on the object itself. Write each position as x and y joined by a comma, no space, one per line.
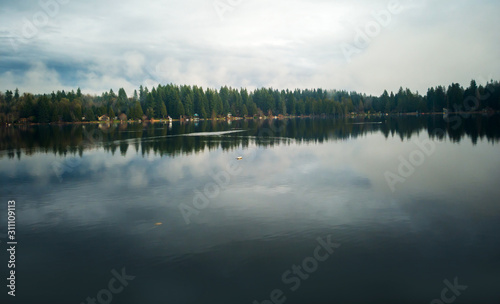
410,207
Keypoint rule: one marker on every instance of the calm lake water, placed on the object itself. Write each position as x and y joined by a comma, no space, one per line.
380,210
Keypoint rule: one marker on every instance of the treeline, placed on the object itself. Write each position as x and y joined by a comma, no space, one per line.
176,101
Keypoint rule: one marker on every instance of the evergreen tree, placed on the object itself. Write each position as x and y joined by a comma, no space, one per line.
244,111
162,110
142,95
43,109
8,97
290,103
471,97
224,97
76,110
455,97
89,114
252,107
150,104
27,105
187,98
111,114
440,98
431,100
136,111
122,101
150,113
56,112
179,109
188,105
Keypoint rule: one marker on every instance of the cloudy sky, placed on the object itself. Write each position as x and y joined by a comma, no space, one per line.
367,46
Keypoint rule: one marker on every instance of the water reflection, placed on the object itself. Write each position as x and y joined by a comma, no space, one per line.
166,139
299,180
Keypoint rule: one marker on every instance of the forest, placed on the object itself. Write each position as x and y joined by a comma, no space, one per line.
177,101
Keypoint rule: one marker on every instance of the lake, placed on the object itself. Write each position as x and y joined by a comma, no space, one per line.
355,210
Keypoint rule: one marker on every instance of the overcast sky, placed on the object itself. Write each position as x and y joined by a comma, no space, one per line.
97,45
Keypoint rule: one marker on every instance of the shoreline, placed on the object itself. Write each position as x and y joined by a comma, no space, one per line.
280,117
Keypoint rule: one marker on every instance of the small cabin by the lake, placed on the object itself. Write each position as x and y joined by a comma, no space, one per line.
103,118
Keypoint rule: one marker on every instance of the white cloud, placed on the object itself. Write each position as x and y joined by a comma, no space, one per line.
283,44
38,78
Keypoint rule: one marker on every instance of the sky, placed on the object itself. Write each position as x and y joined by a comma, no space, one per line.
364,46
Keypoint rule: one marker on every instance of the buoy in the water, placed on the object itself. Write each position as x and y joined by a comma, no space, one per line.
239,158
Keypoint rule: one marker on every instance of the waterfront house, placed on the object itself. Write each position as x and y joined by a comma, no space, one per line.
103,118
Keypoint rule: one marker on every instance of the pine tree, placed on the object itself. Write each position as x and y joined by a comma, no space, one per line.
89,114
188,105
27,108
163,110
180,109
150,113
122,101
136,111
43,110
142,95
8,97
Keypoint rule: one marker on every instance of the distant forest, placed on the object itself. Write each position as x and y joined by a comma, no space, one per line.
175,101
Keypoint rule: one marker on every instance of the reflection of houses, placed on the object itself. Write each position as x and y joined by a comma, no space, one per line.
103,118
104,126
122,126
